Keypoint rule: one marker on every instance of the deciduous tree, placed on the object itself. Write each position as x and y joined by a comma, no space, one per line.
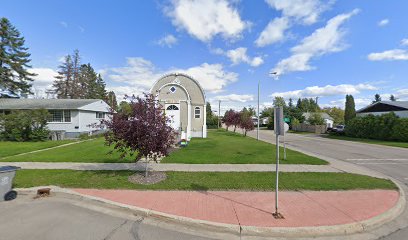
142,132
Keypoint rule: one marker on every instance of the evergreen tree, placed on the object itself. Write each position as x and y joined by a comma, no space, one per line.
14,60
63,82
111,100
377,98
67,83
290,104
393,98
350,109
78,81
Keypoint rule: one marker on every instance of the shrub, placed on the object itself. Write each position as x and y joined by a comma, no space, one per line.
384,127
24,125
400,131
316,119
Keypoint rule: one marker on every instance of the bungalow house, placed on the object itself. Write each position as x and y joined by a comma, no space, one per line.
328,121
68,117
400,108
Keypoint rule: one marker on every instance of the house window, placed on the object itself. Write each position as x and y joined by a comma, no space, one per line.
172,107
100,115
173,89
197,112
59,116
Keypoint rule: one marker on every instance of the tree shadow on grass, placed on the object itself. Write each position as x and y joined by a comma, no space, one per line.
199,188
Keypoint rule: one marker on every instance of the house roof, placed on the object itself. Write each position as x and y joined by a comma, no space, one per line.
385,106
322,114
25,103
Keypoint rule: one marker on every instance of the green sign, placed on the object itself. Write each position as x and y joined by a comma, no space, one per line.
286,120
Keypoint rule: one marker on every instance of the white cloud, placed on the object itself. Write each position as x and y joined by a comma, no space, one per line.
273,32
140,74
402,93
64,24
239,55
234,98
340,103
204,19
43,80
328,90
404,42
383,22
293,11
307,11
212,77
327,39
394,54
169,40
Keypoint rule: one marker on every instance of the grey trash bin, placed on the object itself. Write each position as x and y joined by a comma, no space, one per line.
7,174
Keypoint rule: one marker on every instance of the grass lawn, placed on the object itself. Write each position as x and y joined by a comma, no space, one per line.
88,151
371,141
228,147
256,181
13,148
302,133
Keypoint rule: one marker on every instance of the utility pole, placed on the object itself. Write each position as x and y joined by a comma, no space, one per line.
219,113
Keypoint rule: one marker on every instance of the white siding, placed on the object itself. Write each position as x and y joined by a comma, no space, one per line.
80,121
88,118
66,126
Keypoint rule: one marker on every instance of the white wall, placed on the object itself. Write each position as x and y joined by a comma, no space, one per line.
401,114
66,126
80,119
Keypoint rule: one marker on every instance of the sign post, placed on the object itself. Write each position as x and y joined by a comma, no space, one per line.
279,128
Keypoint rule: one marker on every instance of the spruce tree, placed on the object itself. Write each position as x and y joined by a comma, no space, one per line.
377,98
350,109
393,98
14,60
64,83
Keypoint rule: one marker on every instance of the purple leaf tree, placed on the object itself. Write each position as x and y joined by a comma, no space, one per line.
141,132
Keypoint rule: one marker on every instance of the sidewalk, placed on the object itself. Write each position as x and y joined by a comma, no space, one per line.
175,167
300,209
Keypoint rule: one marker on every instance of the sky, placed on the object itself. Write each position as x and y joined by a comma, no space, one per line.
323,49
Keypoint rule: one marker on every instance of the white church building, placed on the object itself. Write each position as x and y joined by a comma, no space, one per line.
183,100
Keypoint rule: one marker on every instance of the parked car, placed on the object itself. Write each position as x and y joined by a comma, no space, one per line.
339,129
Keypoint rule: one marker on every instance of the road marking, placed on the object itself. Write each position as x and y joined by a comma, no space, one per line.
383,163
377,159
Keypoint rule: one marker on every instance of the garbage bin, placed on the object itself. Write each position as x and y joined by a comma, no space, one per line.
7,174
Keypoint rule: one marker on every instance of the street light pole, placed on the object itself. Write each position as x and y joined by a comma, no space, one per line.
257,130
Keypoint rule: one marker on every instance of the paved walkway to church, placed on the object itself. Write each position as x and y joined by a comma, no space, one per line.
175,167
300,209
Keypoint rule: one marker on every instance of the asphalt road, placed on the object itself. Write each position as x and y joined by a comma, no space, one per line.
56,218
390,161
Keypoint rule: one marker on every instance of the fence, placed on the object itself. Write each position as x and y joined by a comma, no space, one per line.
303,127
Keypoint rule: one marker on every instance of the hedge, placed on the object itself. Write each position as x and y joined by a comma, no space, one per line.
383,127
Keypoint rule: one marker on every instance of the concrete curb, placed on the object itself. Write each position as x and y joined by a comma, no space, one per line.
321,231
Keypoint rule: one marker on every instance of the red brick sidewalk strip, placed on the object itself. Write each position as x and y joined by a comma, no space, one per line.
300,209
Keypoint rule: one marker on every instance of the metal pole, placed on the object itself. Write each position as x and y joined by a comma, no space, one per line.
277,175
219,113
284,148
257,130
